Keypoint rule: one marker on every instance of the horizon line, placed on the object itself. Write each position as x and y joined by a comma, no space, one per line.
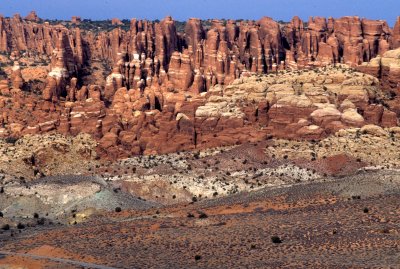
397,18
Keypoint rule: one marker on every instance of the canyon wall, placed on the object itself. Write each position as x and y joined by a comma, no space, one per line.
171,90
199,58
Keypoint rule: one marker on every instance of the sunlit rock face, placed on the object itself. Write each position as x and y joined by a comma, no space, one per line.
163,89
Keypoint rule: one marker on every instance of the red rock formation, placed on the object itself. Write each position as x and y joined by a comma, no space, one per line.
114,81
116,21
62,67
3,38
396,34
223,54
78,50
72,90
16,76
387,69
32,16
348,31
180,72
4,90
76,20
194,33
375,34
162,82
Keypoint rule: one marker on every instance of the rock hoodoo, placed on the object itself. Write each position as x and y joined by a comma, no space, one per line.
202,85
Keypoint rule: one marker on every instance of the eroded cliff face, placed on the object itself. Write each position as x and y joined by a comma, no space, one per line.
169,91
387,69
199,58
296,105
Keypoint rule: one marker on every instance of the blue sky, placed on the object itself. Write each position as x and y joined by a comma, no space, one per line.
183,9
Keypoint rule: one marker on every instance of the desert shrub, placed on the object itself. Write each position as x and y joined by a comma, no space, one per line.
118,209
385,231
1,214
11,140
5,227
197,257
203,215
366,210
36,215
20,226
3,75
190,215
276,239
41,221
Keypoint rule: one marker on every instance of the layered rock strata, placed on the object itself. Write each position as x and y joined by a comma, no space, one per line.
296,105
